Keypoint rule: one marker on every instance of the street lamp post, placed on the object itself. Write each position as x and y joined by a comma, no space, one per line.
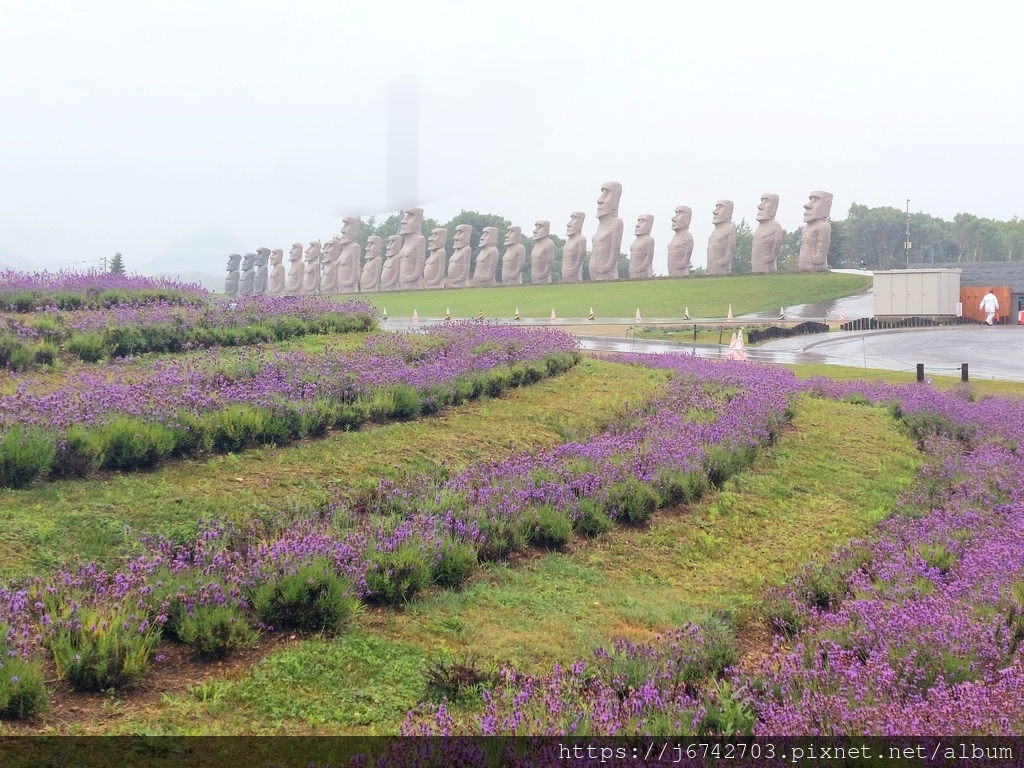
906,243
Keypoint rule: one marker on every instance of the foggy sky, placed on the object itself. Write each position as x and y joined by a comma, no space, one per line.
125,126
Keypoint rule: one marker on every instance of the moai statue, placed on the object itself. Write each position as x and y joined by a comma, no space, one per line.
604,249
680,247
248,275
350,256
764,251
259,283
293,283
275,283
575,249
641,252
458,266
817,234
369,282
486,259
414,250
391,270
329,275
514,258
542,257
437,258
311,269
722,242
231,281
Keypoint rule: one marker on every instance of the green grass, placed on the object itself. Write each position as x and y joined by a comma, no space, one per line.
660,297
57,521
829,479
843,373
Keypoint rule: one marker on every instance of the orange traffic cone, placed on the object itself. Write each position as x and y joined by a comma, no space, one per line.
415,316
553,315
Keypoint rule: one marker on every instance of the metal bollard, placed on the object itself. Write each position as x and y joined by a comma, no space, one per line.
963,372
920,373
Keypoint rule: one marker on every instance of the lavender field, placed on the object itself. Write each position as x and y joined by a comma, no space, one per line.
913,630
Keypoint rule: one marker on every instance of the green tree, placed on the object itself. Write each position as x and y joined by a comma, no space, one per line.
117,265
744,246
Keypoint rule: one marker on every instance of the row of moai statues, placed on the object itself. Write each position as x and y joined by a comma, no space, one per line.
412,261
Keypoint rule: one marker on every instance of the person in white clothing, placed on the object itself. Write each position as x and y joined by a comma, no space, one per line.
991,305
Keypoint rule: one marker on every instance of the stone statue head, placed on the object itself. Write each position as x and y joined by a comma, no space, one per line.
575,225
681,221
463,233
262,256
644,224
276,256
438,238
489,236
313,251
819,206
332,251
394,245
248,260
723,212
373,244
296,252
349,230
608,202
233,261
541,229
514,236
412,222
768,207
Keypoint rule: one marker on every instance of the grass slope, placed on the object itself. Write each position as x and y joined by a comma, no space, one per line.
829,479
666,297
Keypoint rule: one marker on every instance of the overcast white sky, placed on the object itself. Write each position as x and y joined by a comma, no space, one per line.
125,126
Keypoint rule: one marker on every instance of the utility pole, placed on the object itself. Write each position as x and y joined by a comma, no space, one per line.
906,244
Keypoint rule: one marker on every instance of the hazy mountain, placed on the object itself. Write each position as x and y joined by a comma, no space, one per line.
11,260
202,253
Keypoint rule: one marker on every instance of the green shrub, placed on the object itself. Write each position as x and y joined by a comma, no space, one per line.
193,435
45,354
130,443
78,455
96,651
22,692
497,381
937,556
313,599
214,630
124,341
632,501
824,586
24,455
453,567
725,711
675,487
407,403
552,528
500,538
593,520
87,347
457,680
396,576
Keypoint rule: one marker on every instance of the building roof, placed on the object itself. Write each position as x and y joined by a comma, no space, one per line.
985,273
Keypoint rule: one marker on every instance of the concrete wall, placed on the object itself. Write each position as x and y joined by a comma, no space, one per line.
916,293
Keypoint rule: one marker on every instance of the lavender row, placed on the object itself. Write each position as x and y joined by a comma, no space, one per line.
917,631
134,413
65,289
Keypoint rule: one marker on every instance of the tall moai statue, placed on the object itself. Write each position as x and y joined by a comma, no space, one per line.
575,249
248,276
641,252
311,269
486,259
437,258
817,234
414,250
722,242
604,249
350,256
542,255
392,268
369,281
514,258
293,283
275,283
764,250
260,282
680,247
458,266
232,279
329,273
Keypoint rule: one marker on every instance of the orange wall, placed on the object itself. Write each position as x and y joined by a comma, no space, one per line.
972,295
